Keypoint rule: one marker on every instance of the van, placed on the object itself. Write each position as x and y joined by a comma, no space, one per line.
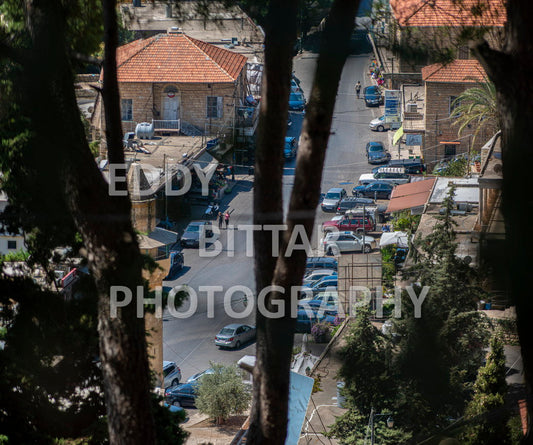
394,175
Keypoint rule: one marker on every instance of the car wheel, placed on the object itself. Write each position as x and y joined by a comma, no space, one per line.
368,248
380,128
238,344
175,382
176,403
329,251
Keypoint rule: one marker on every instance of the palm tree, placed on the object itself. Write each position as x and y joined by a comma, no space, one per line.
476,106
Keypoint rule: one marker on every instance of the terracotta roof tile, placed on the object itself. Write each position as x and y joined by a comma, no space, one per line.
458,71
425,13
408,196
177,58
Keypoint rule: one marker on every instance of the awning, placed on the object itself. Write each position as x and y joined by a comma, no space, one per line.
397,136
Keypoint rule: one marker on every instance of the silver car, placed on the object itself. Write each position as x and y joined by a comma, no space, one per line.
379,124
337,242
234,335
332,199
171,374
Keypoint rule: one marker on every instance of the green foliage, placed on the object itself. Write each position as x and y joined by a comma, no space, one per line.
455,167
352,428
95,148
366,368
321,332
20,255
487,412
222,393
406,222
388,268
476,107
167,424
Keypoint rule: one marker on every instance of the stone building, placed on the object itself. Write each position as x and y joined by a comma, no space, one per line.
425,26
179,84
443,83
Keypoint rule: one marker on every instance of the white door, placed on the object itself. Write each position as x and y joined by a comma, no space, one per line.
170,108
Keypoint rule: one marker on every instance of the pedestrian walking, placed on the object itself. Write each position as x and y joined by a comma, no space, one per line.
226,219
220,219
358,89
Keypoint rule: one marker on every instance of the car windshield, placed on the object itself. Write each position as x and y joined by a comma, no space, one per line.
375,148
333,195
226,331
192,228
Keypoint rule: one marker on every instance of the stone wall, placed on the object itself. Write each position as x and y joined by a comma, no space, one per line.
143,215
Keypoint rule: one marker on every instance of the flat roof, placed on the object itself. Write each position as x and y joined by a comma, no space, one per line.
467,190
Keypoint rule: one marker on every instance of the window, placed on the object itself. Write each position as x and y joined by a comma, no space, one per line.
214,107
11,244
453,105
126,107
449,151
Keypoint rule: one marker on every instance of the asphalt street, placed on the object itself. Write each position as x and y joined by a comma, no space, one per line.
190,341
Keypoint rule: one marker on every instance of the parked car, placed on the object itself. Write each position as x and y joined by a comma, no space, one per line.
337,242
376,190
176,263
171,374
291,147
326,283
305,319
295,86
196,377
326,300
296,101
332,199
376,153
319,263
349,202
316,275
351,222
182,395
379,124
411,166
194,232
373,96
234,335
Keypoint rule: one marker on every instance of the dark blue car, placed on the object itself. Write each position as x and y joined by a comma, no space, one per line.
182,395
376,190
376,153
296,101
306,319
373,97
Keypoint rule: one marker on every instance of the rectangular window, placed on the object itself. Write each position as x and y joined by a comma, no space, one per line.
12,244
214,107
126,107
449,151
452,105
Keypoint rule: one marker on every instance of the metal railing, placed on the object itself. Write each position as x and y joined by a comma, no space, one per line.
167,125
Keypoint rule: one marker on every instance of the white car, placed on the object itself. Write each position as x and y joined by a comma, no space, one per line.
317,275
336,242
171,374
379,124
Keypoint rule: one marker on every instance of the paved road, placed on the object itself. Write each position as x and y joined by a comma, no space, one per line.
189,341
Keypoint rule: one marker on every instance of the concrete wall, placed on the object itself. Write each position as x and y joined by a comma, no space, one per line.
143,215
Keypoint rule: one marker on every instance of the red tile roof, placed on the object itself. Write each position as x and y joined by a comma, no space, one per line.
408,196
177,58
458,71
426,13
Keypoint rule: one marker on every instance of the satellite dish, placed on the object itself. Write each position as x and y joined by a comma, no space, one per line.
497,168
467,259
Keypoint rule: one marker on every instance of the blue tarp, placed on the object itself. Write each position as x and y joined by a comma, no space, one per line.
300,390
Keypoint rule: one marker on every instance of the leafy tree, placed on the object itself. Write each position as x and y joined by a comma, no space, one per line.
476,106
447,341
222,393
455,167
486,411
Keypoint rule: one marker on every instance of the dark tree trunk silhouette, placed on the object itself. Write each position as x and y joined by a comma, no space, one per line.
510,70
275,335
103,220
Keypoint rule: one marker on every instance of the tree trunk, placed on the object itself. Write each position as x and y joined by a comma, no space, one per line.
275,335
103,221
510,71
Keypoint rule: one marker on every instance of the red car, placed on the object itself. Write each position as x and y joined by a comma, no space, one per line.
350,223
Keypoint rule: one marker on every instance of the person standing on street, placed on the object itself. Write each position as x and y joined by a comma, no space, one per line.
220,218
226,218
358,89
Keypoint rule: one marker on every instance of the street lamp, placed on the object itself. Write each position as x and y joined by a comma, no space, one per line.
373,415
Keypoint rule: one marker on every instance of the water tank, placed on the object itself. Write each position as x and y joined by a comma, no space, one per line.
144,130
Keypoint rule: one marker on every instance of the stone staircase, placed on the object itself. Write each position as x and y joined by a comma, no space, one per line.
190,130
